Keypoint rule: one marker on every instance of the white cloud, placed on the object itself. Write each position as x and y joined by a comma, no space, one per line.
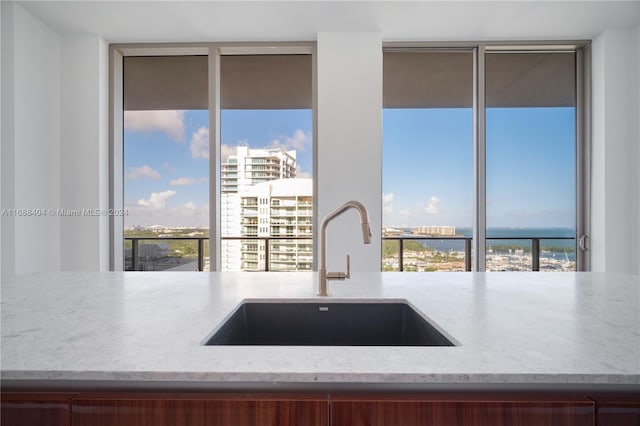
157,200
432,206
186,181
200,143
189,206
387,203
191,209
136,173
226,150
170,122
188,214
300,173
406,212
298,141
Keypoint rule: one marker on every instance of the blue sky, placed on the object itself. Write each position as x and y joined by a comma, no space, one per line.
427,163
531,167
428,167
166,157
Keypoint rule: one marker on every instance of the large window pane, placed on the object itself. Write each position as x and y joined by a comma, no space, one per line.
530,160
266,163
427,160
166,167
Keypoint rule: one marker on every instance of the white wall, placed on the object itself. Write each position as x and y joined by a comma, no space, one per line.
615,178
84,152
6,128
30,141
637,221
350,143
636,215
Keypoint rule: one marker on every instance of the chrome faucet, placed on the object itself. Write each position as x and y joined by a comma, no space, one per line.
323,276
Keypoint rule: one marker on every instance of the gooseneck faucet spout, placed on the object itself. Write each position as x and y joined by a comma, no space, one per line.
366,238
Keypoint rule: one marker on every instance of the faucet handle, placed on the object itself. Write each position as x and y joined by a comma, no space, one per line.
341,275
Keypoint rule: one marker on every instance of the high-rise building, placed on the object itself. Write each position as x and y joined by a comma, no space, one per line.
251,166
278,208
240,173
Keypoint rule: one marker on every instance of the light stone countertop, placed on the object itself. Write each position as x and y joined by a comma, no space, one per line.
515,330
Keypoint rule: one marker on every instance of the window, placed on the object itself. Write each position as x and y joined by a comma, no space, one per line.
481,159
427,160
210,140
530,161
266,158
166,167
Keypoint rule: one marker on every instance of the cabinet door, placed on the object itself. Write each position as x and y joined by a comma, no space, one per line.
199,410
138,411
464,411
267,412
622,410
37,409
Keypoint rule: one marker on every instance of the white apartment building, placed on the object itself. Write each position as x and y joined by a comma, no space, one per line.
436,230
241,172
252,166
278,208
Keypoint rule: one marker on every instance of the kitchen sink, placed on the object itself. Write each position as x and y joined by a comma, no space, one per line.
327,324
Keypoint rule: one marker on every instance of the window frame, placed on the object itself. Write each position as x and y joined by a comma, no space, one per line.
582,49
213,51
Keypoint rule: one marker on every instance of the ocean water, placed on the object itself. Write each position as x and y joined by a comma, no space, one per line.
516,238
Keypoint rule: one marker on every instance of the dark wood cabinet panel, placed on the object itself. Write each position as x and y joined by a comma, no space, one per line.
267,413
618,410
199,410
455,411
211,409
137,412
37,409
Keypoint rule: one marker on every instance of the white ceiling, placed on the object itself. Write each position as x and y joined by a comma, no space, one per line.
156,21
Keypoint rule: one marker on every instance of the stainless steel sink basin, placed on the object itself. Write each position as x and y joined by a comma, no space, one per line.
327,324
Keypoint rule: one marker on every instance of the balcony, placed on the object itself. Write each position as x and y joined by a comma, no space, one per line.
503,254
165,254
528,253
285,222
283,212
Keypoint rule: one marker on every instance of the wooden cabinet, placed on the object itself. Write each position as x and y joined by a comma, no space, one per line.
426,409
617,410
200,410
37,409
138,411
268,412
461,410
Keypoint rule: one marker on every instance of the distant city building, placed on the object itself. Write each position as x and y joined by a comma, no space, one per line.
391,232
447,231
243,174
